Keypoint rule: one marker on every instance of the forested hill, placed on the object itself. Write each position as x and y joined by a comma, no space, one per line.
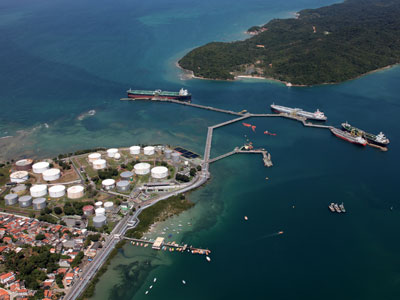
325,45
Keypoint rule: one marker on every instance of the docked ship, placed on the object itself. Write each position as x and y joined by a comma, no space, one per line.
317,115
379,139
348,136
182,95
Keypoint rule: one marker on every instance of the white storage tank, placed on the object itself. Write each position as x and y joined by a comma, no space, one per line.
75,192
142,168
100,211
123,186
98,204
127,175
149,150
167,153
159,172
175,156
99,164
51,174
20,188
25,201
134,150
11,199
108,184
117,156
19,176
99,221
111,152
39,203
57,191
40,167
94,156
108,206
38,190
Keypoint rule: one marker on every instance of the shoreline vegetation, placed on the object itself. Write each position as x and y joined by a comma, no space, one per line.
327,45
159,212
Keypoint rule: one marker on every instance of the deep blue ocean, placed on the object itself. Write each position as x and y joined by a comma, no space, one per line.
59,59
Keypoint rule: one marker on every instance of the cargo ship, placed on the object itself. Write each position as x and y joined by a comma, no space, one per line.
182,95
379,139
350,137
317,115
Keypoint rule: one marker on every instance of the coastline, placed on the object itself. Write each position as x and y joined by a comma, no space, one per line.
190,75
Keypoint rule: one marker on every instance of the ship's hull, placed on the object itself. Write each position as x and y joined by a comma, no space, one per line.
152,96
342,135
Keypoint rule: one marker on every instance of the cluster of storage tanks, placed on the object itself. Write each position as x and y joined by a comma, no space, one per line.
100,219
25,201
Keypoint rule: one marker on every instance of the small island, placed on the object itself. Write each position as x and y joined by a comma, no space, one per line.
330,44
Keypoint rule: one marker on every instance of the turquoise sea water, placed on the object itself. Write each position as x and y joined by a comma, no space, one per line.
60,59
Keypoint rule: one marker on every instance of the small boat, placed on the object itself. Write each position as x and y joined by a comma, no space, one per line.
280,232
266,178
150,287
332,207
337,209
183,281
155,279
342,209
208,258
146,292
246,218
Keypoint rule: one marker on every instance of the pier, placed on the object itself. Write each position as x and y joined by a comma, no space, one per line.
266,156
168,245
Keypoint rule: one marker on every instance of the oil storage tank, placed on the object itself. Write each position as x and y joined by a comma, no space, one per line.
94,156
19,176
159,172
167,153
127,175
75,192
117,156
40,167
98,204
88,210
149,150
23,164
99,164
100,211
123,186
108,206
111,152
25,201
142,168
175,156
134,150
57,191
11,199
99,221
108,184
38,190
39,203
51,174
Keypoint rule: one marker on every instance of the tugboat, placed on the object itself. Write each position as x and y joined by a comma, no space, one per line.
332,207
379,139
342,209
337,209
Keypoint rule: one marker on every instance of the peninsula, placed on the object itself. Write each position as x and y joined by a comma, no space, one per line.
326,45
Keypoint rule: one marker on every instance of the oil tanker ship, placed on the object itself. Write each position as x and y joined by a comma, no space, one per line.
182,95
379,139
317,115
350,137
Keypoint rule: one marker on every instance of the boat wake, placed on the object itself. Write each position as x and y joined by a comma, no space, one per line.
90,113
271,235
